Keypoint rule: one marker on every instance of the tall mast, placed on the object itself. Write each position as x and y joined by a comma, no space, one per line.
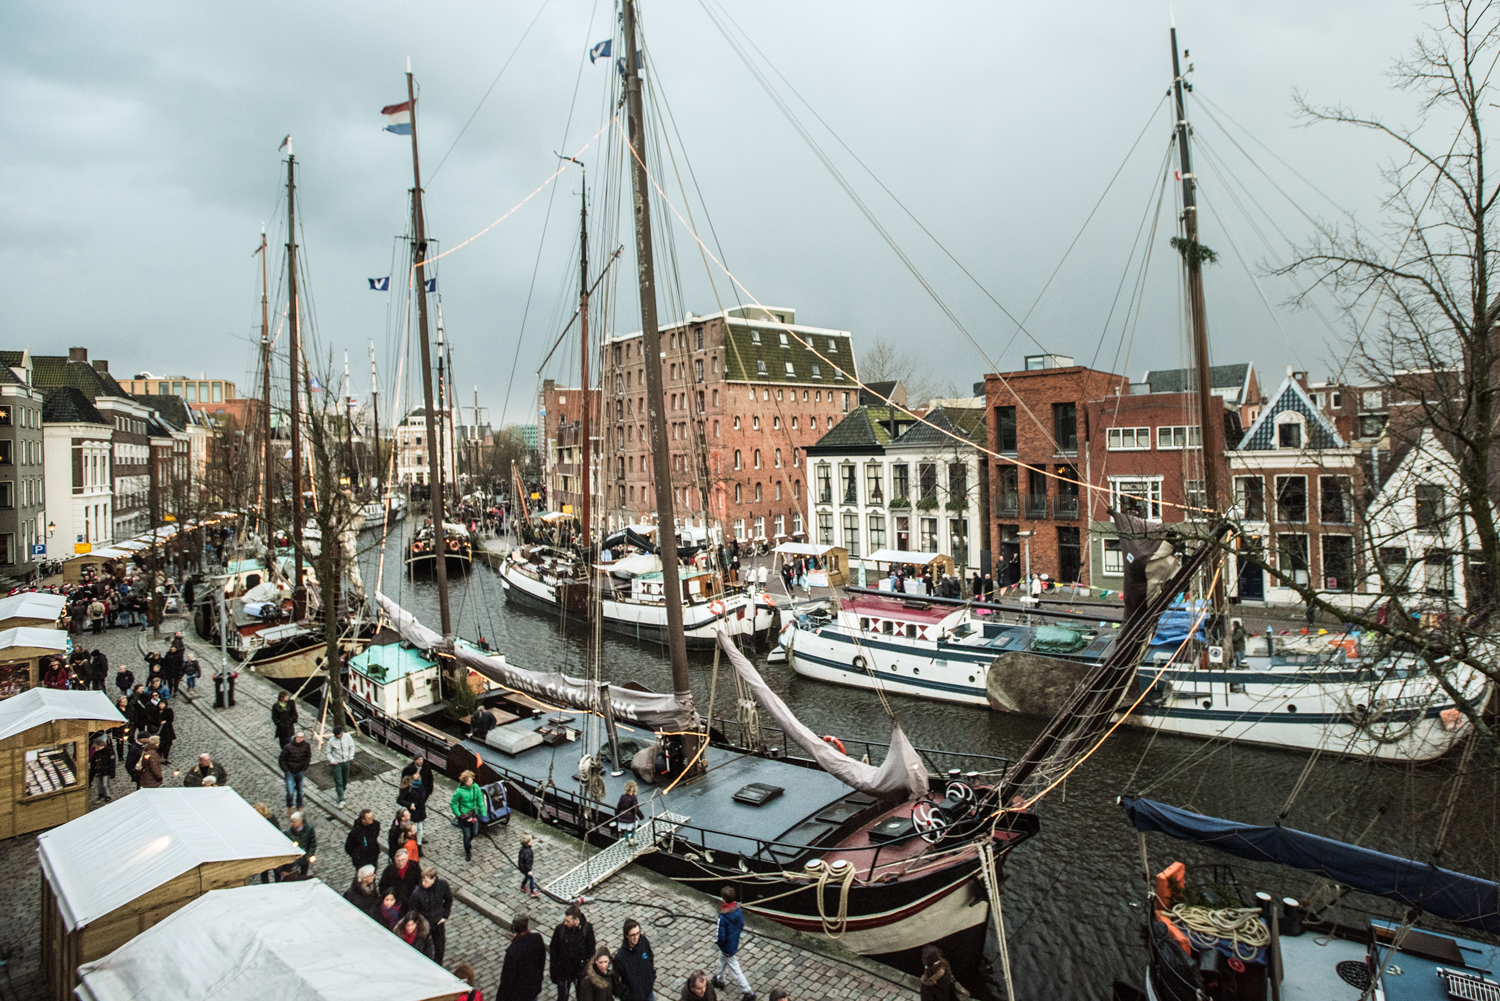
349,425
442,401
474,452
266,487
583,353
450,407
1210,411
294,349
434,465
651,339
375,417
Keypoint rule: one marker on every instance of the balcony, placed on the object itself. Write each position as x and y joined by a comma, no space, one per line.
1067,507
1008,505
1036,505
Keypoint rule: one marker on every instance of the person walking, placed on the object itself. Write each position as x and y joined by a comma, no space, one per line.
284,718
294,760
628,811
635,968
434,901
167,729
525,962
361,892
102,764
698,988
400,877
96,616
363,843
937,977
150,769
731,924
394,837
597,982
413,795
206,768
171,664
135,753
341,752
302,834
467,806
571,949
524,861
414,930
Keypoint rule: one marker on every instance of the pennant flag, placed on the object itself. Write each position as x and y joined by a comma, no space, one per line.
432,284
640,61
601,51
380,284
398,118
284,143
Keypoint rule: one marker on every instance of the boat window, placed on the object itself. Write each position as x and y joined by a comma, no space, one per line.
911,630
1000,641
888,627
864,623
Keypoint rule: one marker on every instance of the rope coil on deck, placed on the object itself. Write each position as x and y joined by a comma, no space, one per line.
1242,927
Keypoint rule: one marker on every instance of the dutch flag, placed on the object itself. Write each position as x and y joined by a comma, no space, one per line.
398,118
380,284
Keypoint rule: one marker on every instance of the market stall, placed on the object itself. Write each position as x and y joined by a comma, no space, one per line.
24,651
44,743
834,571
113,873
31,608
941,563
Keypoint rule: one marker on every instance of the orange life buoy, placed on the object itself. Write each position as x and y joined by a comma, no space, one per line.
717,607
834,741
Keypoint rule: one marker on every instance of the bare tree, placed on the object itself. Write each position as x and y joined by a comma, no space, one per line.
883,361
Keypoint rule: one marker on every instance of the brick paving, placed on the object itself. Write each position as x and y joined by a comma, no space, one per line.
678,921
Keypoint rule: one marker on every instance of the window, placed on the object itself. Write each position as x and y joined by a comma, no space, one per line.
794,423
1336,501
778,490
716,429
757,493
1195,497
716,397
760,367
739,529
757,458
779,522
877,532
846,395
218,392
791,371
1140,497
1289,435
901,483
775,423
1292,550
1372,426
825,485
1394,556
838,376
1291,498
7,453
736,423
1127,439
760,527
1005,429
1178,436
1114,559
1429,500
874,488
698,334
50,769
1009,489
851,484
817,372
797,523
958,540
958,486
1069,554
739,494
5,417
1338,563
7,494
1065,426
755,423
825,528
778,458
1250,497
737,462
1370,399
698,370
1337,400
812,423
851,533
927,482
796,490
929,540
1437,572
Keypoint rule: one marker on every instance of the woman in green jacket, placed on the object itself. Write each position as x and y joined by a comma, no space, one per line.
468,806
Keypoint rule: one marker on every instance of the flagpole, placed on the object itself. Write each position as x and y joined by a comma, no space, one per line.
434,465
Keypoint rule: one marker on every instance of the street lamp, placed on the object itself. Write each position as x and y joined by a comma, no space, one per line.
51,529
1026,585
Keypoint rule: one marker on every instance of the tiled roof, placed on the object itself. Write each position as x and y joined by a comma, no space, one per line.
8,377
173,409
1290,397
876,393
861,428
938,427
66,405
9,358
1185,380
745,356
56,370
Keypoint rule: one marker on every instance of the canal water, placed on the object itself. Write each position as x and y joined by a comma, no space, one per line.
1072,894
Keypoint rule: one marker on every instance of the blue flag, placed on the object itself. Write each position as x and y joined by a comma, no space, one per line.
601,51
314,385
432,284
380,284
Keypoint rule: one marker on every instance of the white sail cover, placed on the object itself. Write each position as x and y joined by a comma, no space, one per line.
649,709
902,771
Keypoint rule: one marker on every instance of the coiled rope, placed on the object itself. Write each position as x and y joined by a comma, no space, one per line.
834,927
1241,926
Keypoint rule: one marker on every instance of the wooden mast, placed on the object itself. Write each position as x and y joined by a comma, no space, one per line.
583,353
661,470
294,346
434,458
266,487
375,418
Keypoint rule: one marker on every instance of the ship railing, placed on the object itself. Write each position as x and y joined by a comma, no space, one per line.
940,761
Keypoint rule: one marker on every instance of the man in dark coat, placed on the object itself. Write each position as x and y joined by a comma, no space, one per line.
284,718
295,757
171,665
434,901
525,962
571,949
361,892
400,877
363,843
635,965
205,768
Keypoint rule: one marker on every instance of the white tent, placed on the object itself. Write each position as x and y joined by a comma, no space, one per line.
902,556
803,549
107,858
20,713
37,637
283,942
32,605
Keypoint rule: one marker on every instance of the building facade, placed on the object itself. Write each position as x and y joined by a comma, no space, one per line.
410,442
559,421
201,392
746,390
78,451
22,466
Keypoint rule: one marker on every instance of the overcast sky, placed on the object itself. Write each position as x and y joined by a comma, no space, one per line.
141,161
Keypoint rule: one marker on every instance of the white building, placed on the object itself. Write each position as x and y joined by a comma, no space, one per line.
76,452
882,480
410,436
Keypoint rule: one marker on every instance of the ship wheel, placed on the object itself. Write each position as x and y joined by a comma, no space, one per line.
928,821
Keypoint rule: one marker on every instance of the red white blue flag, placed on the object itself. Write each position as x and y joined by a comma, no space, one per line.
398,118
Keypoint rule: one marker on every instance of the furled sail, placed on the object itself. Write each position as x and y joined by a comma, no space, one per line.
902,772
649,709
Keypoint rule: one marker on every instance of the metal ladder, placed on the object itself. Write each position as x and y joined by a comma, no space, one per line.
597,868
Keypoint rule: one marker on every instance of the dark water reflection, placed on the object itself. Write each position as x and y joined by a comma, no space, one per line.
1071,894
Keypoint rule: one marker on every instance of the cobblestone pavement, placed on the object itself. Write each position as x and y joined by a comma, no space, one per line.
679,922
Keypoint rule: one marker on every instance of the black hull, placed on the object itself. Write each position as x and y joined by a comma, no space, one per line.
426,566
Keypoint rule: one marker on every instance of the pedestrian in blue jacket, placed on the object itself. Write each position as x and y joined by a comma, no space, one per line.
731,923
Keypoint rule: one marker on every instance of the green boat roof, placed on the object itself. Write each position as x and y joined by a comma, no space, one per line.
394,660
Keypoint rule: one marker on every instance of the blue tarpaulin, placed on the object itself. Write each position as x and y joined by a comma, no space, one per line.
1172,628
1466,900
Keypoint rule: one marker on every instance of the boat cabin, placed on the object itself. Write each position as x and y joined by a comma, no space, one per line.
397,679
697,586
913,620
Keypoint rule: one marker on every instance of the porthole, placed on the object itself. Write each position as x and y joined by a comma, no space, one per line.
971,679
916,670
1291,708
1208,703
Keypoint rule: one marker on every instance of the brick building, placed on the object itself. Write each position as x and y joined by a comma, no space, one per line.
1038,424
746,391
559,421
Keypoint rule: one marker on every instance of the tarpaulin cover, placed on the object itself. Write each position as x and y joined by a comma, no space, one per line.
1175,623
296,941
902,771
650,709
20,713
109,856
1466,900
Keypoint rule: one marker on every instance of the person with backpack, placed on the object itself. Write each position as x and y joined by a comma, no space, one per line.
731,924
571,949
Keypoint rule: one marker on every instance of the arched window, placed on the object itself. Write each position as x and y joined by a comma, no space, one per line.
778,458
739,494
757,493
737,459
757,458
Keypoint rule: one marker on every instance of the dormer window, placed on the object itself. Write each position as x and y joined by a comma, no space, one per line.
1289,435
760,367
784,342
755,336
817,372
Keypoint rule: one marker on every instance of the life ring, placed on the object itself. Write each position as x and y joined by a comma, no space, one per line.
835,742
717,607
859,662
768,600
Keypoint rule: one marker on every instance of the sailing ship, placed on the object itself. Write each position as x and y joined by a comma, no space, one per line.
456,546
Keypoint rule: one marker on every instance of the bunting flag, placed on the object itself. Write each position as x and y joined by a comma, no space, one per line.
398,118
380,284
